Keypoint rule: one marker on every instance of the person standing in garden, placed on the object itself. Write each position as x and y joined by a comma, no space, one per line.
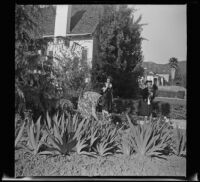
107,96
155,89
155,93
145,107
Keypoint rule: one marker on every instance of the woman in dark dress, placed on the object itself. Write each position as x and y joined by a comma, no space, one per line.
107,96
146,101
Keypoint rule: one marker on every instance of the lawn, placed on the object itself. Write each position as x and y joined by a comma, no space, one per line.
171,100
177,107
172,92
172,88
80,165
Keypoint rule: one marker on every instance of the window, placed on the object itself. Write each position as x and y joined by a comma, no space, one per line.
84,53
67,42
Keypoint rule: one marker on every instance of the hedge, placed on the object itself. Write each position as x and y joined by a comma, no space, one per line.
171,94
130,106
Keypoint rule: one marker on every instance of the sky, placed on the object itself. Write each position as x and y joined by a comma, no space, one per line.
166,32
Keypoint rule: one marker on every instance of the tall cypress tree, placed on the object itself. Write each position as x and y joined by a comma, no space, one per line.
119,50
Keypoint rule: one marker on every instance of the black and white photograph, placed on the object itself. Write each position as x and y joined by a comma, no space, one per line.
100,90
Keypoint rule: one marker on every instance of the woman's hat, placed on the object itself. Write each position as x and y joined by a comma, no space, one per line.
149,81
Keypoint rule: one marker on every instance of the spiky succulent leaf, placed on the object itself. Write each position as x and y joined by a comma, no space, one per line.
48,121
79,130
81,144
37,130
19,136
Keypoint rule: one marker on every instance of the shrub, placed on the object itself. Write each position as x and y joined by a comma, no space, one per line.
125,105
65,106
165,109
87,104
181,94
46,83
163,93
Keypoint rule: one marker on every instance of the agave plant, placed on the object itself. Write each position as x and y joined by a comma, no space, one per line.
107,143
19,134
85,135
36,137
49,123
82,144
149,139
180,143
59,140
93,138
71,123
63,133
124,143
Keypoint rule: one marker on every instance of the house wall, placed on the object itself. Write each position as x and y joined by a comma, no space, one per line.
62,20
166,76
62,48
88,45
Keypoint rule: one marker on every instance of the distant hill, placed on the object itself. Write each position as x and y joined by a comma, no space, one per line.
163,68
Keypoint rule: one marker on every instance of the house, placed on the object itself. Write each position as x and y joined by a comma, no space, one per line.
69,30
165,76
161,78
150,76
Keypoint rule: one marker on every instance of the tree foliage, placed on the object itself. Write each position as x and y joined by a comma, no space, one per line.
26,30
178,76
173,62
119,51
39,82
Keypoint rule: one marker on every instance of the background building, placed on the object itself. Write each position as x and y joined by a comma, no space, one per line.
69,30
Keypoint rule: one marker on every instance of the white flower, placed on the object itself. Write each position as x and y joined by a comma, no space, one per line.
141,122
166,119
86,80
39,52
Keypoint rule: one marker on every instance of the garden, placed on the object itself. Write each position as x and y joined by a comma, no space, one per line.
56,133
70,145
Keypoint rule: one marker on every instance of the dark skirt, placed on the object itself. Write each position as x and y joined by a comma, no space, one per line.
144,108
107,102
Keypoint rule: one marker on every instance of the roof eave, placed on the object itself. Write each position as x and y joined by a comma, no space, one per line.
68,35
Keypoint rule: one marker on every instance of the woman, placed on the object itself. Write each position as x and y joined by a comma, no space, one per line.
145,103
107,96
